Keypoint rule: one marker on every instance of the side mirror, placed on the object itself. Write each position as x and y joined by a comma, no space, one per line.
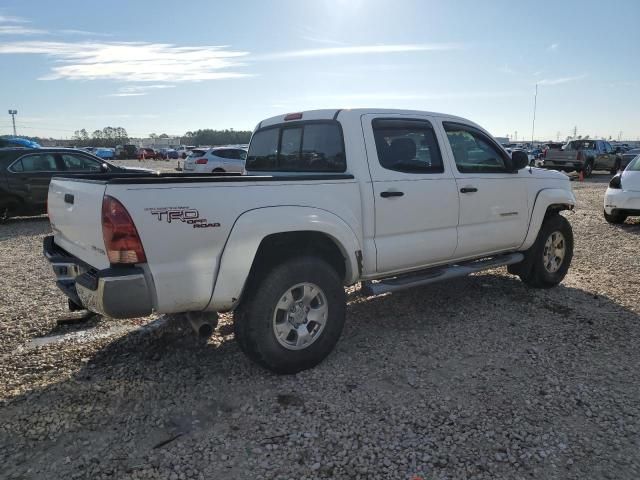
104,167
519,160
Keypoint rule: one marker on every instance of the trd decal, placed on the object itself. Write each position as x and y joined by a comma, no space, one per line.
187,215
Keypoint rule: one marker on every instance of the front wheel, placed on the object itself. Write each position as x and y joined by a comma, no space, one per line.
587,170
546,263
293,316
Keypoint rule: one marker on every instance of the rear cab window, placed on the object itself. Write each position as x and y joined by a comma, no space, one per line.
313,146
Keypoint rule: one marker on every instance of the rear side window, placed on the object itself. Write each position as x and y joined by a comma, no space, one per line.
307,147
79,162
408,146
35,163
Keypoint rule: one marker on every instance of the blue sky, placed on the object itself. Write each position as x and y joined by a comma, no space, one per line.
171,67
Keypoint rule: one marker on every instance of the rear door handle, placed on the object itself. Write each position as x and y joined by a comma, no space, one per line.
468,190
390,193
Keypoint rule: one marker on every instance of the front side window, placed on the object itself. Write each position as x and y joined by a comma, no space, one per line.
36,163
307,147
408,146
79,163
473,151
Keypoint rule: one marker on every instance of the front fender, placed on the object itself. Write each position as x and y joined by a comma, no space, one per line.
544,199
253,226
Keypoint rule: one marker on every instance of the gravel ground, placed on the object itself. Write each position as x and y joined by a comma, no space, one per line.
476,378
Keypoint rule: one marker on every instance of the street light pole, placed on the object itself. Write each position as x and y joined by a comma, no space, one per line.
13,114
535,104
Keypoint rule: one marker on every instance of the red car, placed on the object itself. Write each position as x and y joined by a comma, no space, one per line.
147,153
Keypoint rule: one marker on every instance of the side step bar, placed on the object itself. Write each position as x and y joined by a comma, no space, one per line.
437,274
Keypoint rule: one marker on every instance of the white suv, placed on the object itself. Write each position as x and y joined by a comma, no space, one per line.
217,159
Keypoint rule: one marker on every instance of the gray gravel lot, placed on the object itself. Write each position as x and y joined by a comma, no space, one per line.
475,378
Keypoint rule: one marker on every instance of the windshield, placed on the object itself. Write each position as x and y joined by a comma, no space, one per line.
634,165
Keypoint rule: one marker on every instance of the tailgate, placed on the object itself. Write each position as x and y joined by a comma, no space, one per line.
75,212
570,156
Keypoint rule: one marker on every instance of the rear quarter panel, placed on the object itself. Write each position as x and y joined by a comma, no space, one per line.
184,258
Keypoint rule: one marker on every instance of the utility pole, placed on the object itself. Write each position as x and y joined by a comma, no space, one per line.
535,104
516,137
13,114
575,131
557,136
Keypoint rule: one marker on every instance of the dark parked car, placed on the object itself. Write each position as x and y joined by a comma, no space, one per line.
25,174
148,153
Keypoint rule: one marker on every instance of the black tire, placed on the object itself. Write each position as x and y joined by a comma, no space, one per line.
218,170
532,270
255,318
614,218
587,170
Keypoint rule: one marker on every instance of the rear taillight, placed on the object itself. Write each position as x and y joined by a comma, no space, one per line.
121,238
201,161
616,182
544,153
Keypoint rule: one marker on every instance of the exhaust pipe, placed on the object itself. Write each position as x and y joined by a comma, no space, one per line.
203,323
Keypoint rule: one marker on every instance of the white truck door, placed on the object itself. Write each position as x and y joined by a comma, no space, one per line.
493,200
415,194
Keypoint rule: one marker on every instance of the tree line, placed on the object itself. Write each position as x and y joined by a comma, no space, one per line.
107,137
208,136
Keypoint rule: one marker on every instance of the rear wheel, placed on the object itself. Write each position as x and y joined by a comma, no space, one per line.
614,218
218,170
546,263
293,316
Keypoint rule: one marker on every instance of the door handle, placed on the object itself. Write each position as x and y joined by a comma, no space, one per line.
390,193
468,190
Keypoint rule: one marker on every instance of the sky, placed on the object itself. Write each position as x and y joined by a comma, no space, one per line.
171,67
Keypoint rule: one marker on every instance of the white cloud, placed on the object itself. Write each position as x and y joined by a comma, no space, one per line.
138,90
357,50
12,19
87,33
326,41
20,30
133,61
553,46
507,69
394,96
558,81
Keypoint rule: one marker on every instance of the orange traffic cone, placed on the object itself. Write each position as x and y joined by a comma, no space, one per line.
581,176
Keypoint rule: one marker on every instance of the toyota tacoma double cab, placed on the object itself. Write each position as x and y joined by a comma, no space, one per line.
390,198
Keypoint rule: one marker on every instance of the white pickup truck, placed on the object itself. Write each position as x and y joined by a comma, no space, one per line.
390,198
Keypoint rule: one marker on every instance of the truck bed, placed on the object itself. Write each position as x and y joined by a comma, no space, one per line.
185,221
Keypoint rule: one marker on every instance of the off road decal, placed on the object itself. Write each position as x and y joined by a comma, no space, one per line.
177,215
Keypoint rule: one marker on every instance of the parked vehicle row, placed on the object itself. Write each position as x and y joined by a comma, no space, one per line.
391,198
25,175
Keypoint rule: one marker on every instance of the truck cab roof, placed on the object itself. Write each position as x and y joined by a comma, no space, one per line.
350,113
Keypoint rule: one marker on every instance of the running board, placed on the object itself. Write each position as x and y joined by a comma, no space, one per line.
438,274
